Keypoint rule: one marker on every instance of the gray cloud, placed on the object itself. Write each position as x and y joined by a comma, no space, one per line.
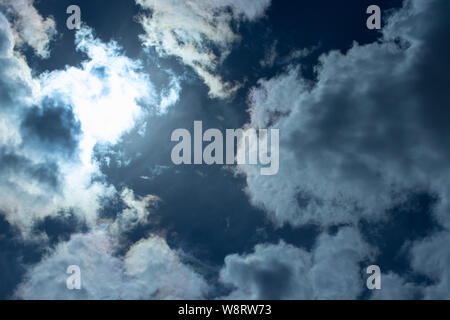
330,271
431,257
367,130
394,287
371,128
46,173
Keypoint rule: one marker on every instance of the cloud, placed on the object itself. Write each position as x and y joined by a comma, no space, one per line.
149,270
199,33
368,129
108,93
161,273
16,82
135,213
330,271
50,124
170,96
394,287
29,26
431,258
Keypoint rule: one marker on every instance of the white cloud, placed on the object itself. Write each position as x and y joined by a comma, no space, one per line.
105,92
30,27
170,96
150,270
187,29
106,95
152,259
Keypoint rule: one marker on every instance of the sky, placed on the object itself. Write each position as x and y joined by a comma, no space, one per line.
87,177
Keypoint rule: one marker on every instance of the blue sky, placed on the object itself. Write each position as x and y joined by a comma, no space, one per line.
85,149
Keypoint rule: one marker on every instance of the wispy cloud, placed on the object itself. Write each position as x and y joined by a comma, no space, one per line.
29,26
199,33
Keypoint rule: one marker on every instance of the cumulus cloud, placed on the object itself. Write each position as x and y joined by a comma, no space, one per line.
51,123
368,129
161,273
330,271
394,287
199,33
149,270
29,26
